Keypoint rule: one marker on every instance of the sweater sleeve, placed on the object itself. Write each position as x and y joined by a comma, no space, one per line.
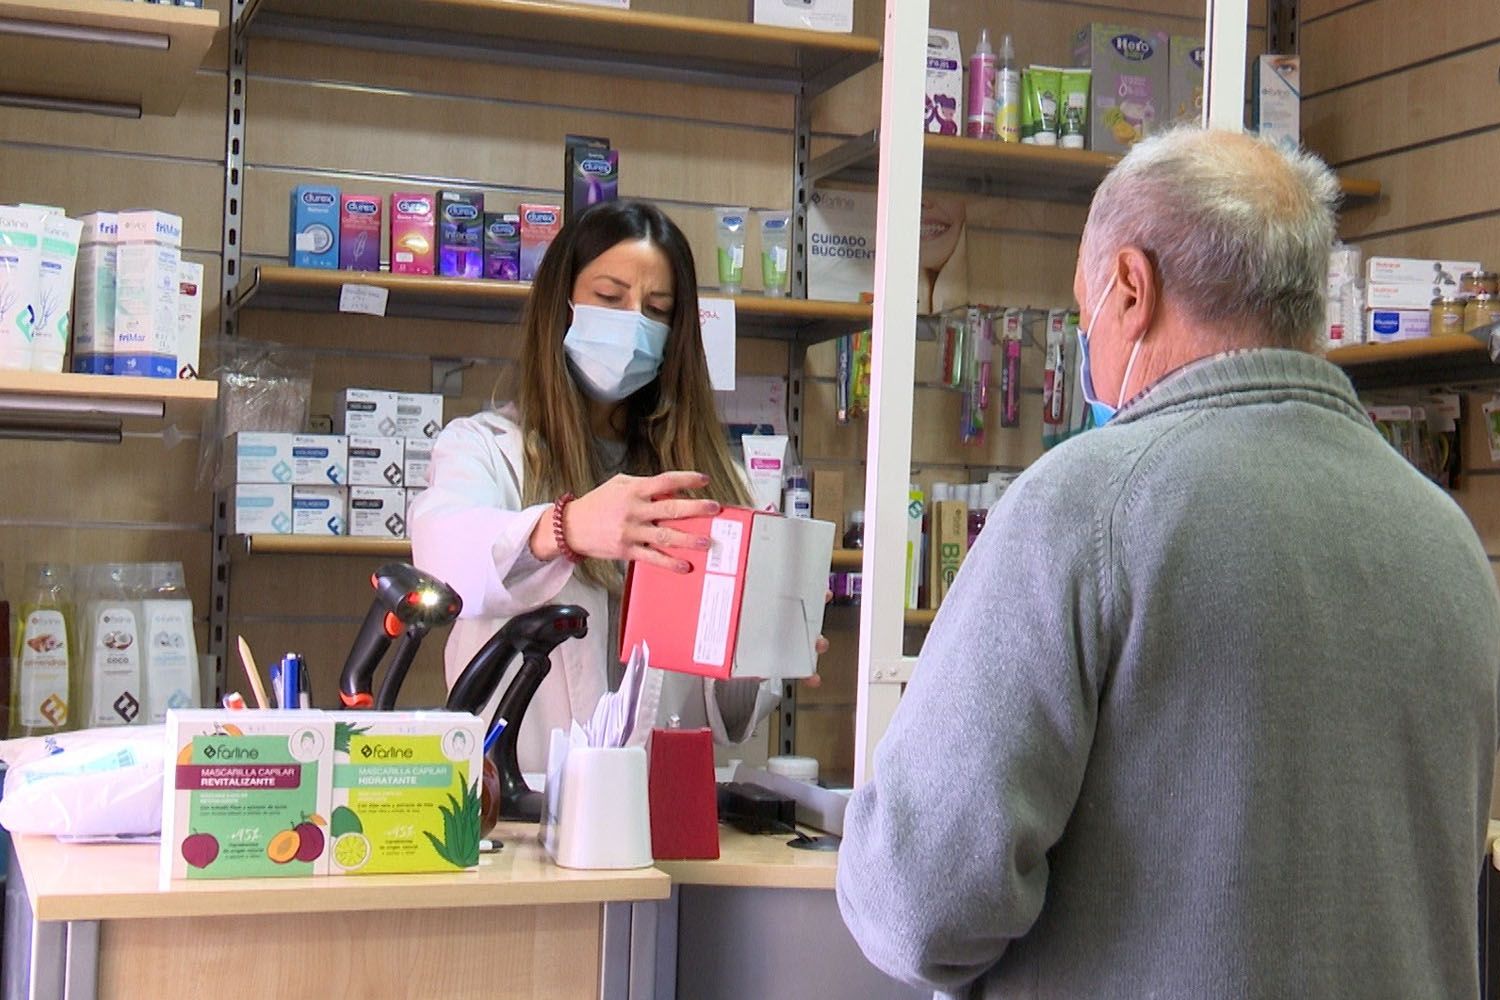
944,858
735,707
468,527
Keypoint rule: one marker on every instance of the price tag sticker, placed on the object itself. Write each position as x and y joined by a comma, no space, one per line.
368,300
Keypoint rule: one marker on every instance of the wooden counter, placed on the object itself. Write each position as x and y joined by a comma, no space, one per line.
757,862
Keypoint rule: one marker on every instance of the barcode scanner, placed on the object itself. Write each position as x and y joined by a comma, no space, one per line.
408,604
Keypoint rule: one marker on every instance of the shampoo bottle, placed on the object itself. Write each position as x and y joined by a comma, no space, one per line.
112,649
43,684
169,651
981,119
1007,94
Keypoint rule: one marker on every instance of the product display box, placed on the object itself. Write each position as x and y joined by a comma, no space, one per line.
246,794
320,510
419,414
262,509
94,294
359,232
540,225
1402,294
950,544
148,255
189,317
916,506
1276,99
1386,326
841,245
406,792
418,458
461,234
815,15
1185,78
377,512
314,227
944,113
1439,277
320,460
366,413
413,232
1128,91
260,457
751,607
502,246
377,461
591,173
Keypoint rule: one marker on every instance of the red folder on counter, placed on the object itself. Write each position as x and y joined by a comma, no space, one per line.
683,797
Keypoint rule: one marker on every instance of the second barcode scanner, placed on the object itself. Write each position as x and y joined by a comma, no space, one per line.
408,604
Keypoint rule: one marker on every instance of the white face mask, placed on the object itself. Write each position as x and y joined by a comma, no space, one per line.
614,352
1103,412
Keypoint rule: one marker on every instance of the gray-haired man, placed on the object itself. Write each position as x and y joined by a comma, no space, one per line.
1211,710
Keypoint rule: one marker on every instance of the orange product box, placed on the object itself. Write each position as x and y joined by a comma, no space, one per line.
751,607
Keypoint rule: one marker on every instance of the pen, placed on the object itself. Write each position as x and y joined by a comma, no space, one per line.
304,683
278,690
290,683
494,734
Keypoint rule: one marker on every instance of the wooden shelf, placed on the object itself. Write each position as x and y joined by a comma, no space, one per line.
572,37
307,290
124,59
1453,358
323,545
1001,169
98,407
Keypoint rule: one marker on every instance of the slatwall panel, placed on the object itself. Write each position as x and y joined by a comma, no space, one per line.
139,501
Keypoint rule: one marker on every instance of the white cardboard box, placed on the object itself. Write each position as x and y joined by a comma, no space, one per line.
841,245
814,15
366,413
261,457
1398,295
377,512
1277,99
419,414
377,461
320,510
1385,326
944,113
1441,276
94,291
189,317
262,509
418,461
320,460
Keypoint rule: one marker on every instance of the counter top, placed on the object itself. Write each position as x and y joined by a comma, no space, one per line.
757,862
120,881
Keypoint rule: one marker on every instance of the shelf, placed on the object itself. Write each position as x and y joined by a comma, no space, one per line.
105,56
97,407
1001,169
1450,359
324,545
306,290
569,37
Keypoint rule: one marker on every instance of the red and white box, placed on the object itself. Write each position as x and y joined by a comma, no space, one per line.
751,607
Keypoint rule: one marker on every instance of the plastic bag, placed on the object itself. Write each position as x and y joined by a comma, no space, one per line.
262,387
92,783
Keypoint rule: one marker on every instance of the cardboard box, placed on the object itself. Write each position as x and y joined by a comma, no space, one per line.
540,225
320,510
406,793
1400,295
320,460
416,463
502,246
245,794
94,294
377,461
461,234
377,512
413,232
261,457
829,500
841,245
1128,92
1185,59
261,509
419,414
365,413
359,232
147,259
1440,276
944,114
314,227
189,317
950,544
1276,100
751,607
916,506
1386,326
814,15
411,498
591,173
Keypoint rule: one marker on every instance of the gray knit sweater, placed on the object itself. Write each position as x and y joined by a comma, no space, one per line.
1210,712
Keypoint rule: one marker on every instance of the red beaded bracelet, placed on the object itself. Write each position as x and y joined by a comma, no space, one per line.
558,506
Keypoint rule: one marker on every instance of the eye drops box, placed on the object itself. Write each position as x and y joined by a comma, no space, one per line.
314,227
94,295
1276,107
189,317
247,794
320,460
406,792
540,225
502,246
418,460
262,509
365,413
146,290
377,512
377,461
461,234
359,232
20,282
752,606
320,510
419,414
413,233
945,83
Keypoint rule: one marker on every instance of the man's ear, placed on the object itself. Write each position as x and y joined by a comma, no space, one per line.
1139,295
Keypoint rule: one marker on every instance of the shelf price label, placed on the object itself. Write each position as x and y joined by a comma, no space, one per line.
368,300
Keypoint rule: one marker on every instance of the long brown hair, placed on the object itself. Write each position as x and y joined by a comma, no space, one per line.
670,424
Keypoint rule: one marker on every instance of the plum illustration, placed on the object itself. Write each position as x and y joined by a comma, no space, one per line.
310,841
200,849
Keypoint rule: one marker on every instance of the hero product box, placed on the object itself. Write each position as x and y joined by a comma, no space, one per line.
1185,78
1128,89
751,607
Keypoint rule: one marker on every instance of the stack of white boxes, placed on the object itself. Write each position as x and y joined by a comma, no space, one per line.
357,482
1399,293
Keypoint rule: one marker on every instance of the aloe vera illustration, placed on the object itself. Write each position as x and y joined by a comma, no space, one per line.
343,733
460,844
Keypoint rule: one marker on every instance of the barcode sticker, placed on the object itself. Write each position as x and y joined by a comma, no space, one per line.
714,614
724,551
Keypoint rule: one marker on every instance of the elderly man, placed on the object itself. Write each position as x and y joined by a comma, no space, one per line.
1211,710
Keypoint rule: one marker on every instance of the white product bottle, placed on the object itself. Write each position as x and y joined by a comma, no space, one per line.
982,98
797,500
169,651
112,649
1007,94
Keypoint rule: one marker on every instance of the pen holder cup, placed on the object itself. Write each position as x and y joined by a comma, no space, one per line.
596,814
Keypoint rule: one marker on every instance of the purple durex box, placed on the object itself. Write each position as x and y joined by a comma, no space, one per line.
461,234
502,246
359,232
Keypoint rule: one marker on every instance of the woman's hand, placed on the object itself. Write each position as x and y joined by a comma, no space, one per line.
618,520
819,647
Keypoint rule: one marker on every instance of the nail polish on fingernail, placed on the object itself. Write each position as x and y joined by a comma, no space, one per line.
684,567
704,543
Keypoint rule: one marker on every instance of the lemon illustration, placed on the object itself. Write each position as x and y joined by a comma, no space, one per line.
351,851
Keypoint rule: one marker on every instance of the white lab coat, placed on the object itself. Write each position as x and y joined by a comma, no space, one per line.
468,528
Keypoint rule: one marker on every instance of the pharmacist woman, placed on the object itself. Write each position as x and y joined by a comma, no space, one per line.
613,430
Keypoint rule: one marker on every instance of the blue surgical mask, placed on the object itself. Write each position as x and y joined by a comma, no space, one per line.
1103,412
614,352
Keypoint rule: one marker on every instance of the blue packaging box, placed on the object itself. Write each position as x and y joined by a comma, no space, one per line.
314,227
